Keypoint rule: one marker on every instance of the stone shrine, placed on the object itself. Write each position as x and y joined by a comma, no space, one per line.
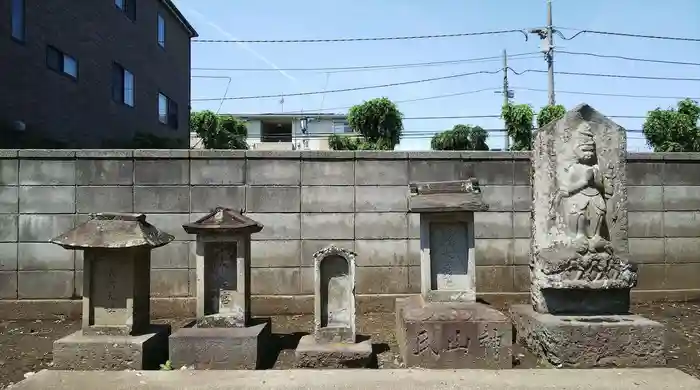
334,341
580,276
223,336
116,332
445,327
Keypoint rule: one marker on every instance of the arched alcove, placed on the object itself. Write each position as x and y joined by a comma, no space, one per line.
336,291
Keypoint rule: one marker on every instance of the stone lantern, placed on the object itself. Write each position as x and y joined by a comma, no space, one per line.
445,327
116,331
223,335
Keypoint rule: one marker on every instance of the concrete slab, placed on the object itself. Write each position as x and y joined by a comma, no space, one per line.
591,341
219,348
312,354
408,379
78,351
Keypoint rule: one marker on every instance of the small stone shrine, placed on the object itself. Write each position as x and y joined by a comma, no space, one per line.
334,342
116,332
580,276
223,336
444,327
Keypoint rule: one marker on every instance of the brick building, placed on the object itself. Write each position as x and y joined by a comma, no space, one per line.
93,73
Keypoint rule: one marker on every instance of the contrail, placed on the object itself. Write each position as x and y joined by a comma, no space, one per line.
242,45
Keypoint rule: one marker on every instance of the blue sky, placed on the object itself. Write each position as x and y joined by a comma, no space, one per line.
310,19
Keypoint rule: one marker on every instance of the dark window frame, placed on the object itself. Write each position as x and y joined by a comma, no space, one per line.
22,11
119,90
160,21
128,8
171,112
56,61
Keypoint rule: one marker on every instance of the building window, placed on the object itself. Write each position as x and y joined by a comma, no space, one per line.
161,31
61,62
341,127
18,19
128,7
122,85
167,111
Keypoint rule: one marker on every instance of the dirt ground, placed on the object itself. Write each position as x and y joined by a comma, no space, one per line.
26,345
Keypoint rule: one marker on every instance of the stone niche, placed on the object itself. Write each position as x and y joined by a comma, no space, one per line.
223,336
444,327
116,332
334,342
580,274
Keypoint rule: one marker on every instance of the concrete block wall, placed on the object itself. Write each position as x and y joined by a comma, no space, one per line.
307,200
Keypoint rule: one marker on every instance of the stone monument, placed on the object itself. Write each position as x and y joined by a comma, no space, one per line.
116,332
444,327
580,276
334,341
223,336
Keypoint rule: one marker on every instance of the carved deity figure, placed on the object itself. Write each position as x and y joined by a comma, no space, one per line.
583,193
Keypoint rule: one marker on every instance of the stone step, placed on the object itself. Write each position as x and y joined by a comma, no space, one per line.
406,379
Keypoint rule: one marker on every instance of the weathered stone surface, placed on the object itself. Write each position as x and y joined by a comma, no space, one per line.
591,341
114,353
460,195
113,230
452,335
580,213
219,348
334,311
313,354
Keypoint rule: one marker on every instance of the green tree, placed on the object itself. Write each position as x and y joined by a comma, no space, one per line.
549,114
379,122
461,137
674,130
219,132
518,121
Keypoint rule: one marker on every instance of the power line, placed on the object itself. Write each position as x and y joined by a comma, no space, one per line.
375,67
453,76
620,34
620,76
629,58
608,94
395,38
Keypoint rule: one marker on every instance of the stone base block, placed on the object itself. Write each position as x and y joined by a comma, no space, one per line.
219,348
452,335
312,354
590,341
105,352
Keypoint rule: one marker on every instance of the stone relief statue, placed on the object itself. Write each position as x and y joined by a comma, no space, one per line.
580,206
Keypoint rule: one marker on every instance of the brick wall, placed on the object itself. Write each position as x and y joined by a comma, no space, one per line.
307,200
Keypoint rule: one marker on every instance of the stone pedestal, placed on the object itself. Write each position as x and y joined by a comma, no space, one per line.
220,348
223,336
591,341
334,341
580,274
437,335
116,332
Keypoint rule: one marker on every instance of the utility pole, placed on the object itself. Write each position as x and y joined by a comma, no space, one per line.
506,92
550,53
546,34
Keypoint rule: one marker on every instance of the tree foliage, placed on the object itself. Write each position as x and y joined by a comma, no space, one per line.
219,132
674,130
518,121
550,114
379,122
461,137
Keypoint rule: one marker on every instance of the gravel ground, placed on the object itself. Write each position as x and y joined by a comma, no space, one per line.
26,345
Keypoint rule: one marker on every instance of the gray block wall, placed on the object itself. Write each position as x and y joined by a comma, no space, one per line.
307,200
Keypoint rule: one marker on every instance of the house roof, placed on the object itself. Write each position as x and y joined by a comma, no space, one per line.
180,17
270,115
224,220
